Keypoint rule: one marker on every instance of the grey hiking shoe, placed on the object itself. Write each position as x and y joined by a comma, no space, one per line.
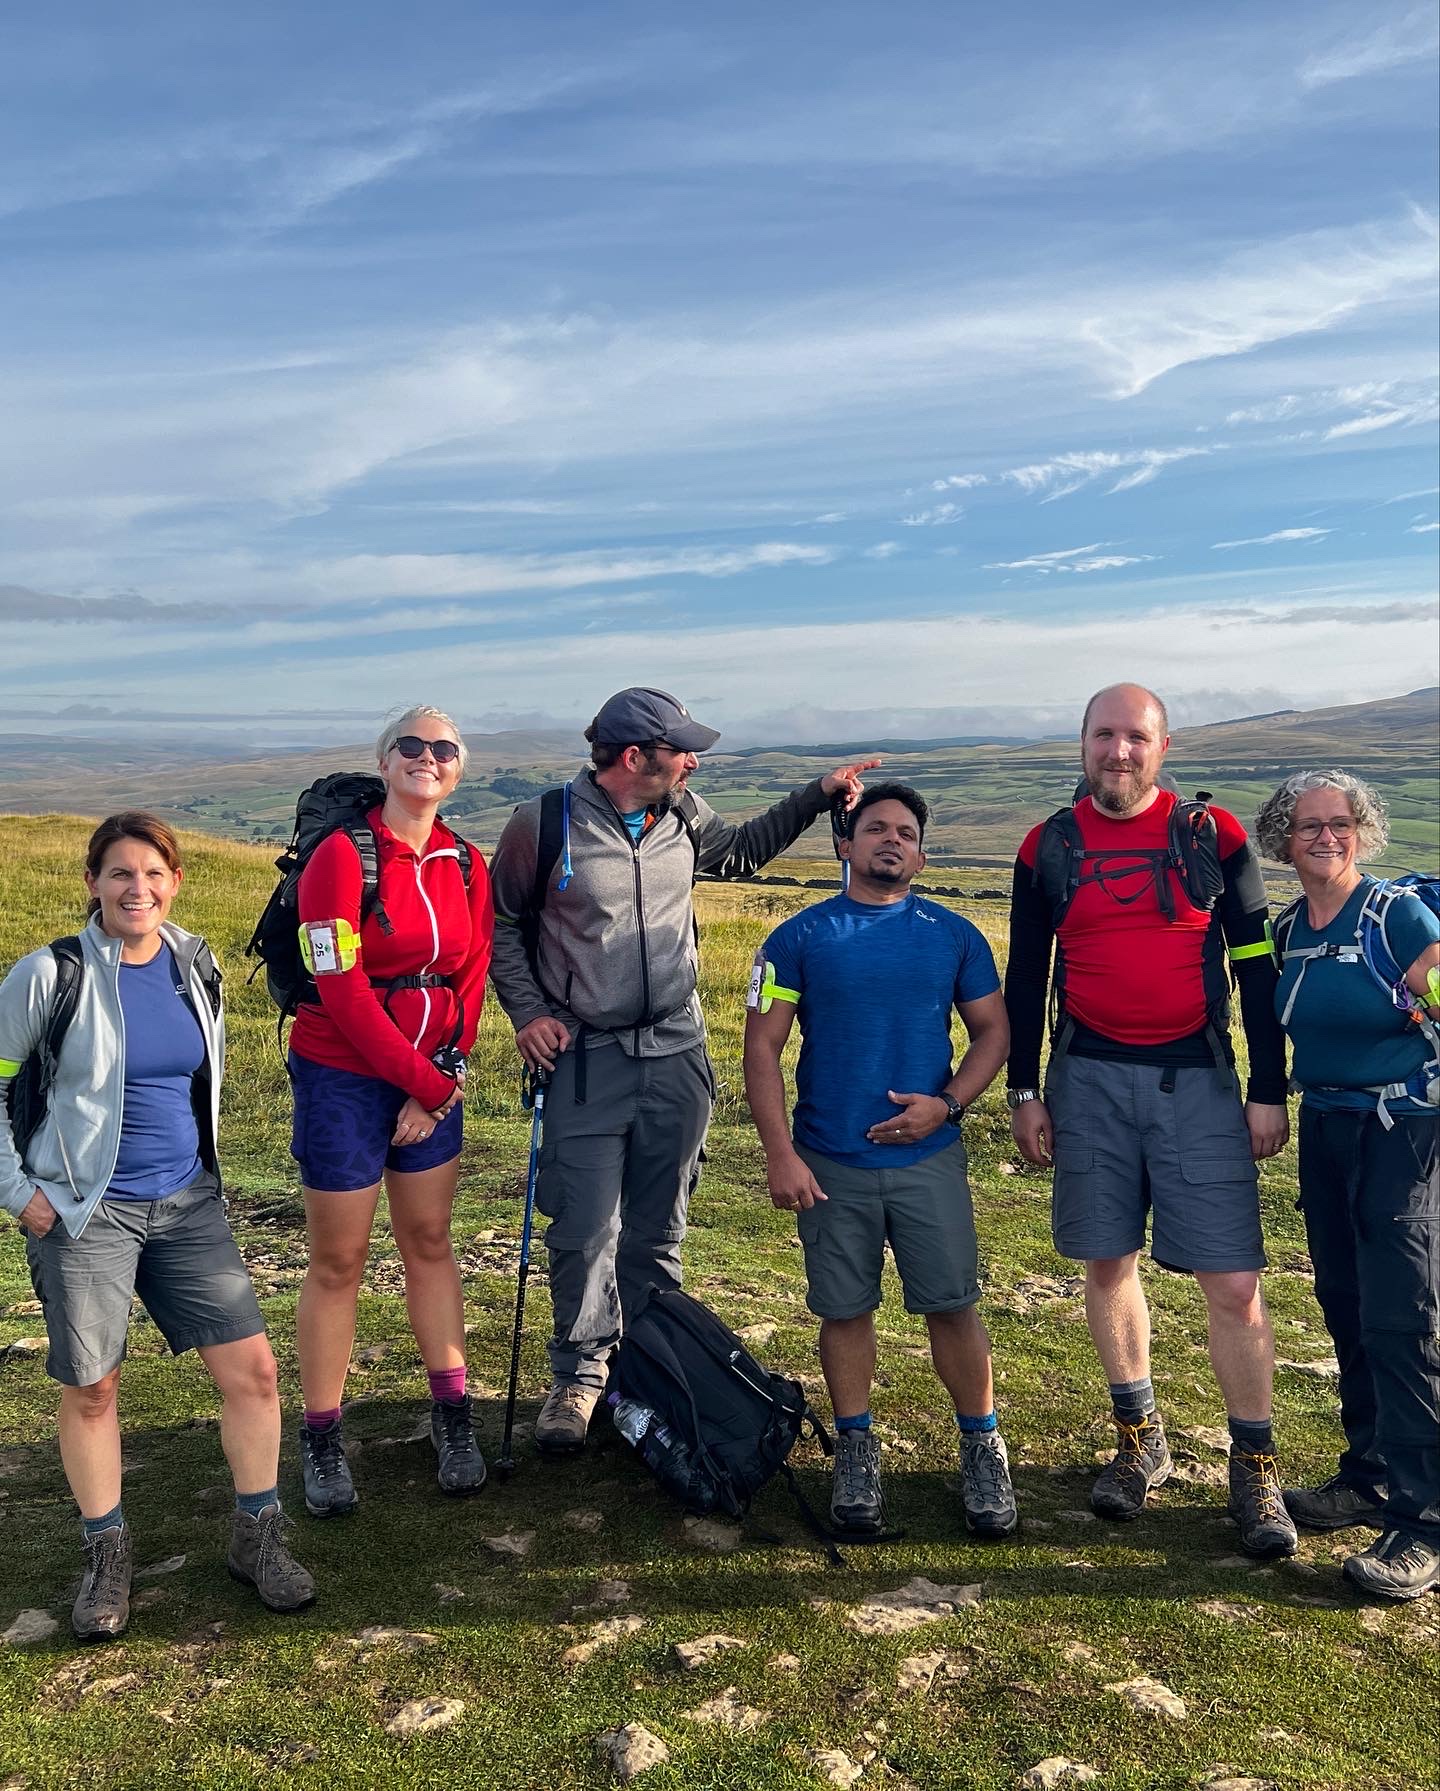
329,1488
985,1489
1396,1565
856,1502
1141,1460
102,1605
1257,1505
1334,1506
260,1557
452,1431
565,1418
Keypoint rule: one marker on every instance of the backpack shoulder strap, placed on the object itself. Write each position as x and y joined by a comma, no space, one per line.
548,842
690,820
1057,862
210,978
69,969
466,857
362,837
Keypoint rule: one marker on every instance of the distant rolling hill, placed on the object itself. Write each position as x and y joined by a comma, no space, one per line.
984,794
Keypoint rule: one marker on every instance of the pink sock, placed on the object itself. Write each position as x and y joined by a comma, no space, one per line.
322,1420
447,1384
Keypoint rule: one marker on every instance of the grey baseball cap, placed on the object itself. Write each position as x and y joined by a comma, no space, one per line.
637,714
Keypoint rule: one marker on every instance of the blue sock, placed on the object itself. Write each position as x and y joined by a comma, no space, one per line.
255,1503
1252,1436
861,1421
1133,1400
92,1526
976,1426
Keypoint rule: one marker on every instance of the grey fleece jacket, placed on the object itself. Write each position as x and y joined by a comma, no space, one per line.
71,1157
617,947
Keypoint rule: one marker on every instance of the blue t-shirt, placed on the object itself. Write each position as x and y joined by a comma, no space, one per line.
1347,1033
876,987
635,823
159,1140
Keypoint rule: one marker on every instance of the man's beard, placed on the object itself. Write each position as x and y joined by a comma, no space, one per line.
885,873
1122,801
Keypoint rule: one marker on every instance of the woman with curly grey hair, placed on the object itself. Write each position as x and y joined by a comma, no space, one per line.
1366,1062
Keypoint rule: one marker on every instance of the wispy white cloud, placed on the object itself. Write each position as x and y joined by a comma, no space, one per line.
1393,43
1407,497
882,550
1278,535
1072,559
1385,415
1071,472
960,482
936,517
1422,528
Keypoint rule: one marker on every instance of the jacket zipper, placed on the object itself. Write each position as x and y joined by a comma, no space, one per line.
434,948
644,947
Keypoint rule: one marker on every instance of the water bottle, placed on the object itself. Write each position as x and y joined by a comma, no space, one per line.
632,1419
667,1457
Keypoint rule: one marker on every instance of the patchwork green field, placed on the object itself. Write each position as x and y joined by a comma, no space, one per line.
535,1619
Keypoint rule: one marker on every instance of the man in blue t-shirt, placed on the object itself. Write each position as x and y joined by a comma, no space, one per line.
873,975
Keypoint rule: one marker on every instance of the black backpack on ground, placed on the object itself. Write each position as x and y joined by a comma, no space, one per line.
27,1095
337,803
730,1423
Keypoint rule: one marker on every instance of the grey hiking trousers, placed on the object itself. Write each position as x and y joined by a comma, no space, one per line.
616,1175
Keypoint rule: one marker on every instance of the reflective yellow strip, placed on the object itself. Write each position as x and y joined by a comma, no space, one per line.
771,991
1265,948
338,944
8,1067
1432,992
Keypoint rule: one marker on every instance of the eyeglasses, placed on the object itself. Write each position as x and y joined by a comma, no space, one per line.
411,746
1342,827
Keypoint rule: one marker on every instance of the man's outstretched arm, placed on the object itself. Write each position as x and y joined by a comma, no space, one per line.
729,849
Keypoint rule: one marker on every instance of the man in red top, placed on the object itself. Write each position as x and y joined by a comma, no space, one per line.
1141,1108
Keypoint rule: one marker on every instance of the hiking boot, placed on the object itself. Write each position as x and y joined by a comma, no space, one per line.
260,1557
565,1417
1141,1460
102,1605
1258,1506
1396,1565
985,1489
1335,1506
856,1502
329,1490
452,1431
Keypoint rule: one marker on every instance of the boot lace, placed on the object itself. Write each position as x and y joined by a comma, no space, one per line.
858,1468
1263,1484
459,1429
327,1456
985,1474
105,1568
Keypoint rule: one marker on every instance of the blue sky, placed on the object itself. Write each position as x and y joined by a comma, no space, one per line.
846,368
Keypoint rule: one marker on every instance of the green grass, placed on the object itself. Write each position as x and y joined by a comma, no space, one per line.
206,1689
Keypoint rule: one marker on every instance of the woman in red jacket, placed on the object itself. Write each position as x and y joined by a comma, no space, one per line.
378,1072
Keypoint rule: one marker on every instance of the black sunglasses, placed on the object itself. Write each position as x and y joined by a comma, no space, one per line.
411,746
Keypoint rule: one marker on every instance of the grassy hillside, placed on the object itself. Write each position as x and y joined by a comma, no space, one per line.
1287,1680
985,795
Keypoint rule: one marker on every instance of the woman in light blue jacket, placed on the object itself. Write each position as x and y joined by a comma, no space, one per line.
108,1162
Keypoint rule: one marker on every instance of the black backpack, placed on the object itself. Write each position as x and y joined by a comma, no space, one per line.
1192,851
337,803
27,1095
731,1423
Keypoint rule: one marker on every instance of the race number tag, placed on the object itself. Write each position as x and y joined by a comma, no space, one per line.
328,947
757,978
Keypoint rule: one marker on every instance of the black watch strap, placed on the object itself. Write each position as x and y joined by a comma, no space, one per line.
956,1111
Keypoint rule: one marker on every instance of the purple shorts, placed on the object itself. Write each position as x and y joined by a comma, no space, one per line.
344,1124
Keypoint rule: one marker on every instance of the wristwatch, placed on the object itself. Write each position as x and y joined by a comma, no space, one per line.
1017,1097
955,1112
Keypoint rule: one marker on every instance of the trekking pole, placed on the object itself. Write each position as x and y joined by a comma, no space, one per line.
532,1096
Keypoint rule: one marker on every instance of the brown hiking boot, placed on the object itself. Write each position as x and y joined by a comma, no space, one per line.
102,1606
260,1558
1141,1460
565,1417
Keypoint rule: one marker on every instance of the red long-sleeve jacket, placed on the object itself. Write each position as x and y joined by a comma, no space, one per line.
436,927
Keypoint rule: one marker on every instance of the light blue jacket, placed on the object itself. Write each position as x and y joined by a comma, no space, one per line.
71,1157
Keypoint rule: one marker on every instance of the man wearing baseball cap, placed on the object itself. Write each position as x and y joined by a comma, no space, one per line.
595,963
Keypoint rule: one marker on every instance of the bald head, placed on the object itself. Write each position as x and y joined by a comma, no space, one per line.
1132,696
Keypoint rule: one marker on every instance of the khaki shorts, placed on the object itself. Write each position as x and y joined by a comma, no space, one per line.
1126,1147
178,1254
922,1209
